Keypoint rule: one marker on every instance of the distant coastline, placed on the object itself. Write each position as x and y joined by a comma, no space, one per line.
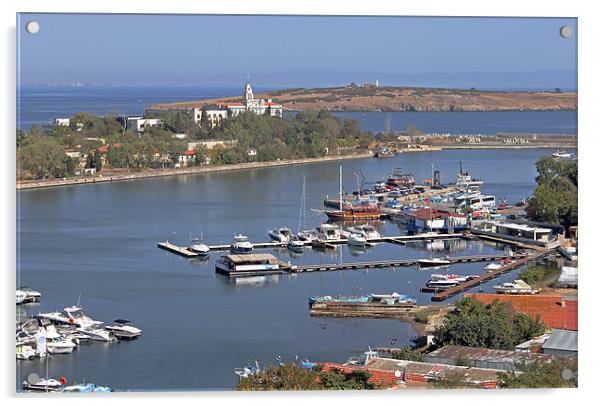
89,180
402,99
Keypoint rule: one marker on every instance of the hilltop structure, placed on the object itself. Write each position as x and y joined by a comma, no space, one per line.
217,113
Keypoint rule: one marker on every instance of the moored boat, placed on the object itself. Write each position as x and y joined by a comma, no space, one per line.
433,262
366,230
356,240
561,154
241,245
282,234
295,244
338,299
248,265
516,287
122,330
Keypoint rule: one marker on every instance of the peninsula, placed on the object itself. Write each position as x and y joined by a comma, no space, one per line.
369,97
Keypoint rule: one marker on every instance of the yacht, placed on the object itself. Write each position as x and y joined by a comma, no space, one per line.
35,383
357,240
282,234
368,231
27,295
199,246
433,262
97,334
295,244
494,266
329,232
123,330
56,343
25,352
447,280
72,315
517,287
241,245
307,235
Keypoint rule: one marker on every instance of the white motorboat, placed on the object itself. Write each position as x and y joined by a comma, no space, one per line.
433,262
56,343
73,315
35,383
24,351
123,330
396,297
368,231
97,334
494,266
561,154
27,295
282,234
308,235
329,232
356,240
200,247
295,244
241,245
517,287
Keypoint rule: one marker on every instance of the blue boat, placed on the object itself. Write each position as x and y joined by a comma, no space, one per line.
340,299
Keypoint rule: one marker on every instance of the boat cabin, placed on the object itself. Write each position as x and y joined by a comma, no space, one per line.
248,265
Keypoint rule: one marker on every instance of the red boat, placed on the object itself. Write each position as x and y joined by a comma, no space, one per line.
358,210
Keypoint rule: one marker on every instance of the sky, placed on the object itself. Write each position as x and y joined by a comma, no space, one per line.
290,51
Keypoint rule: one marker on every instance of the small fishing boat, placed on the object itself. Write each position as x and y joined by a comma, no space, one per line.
494,266
356,240
282,234
241,245
433,262
122,330
393,297
338,299
517,287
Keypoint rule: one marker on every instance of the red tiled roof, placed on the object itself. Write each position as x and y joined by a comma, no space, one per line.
190,152
234,104
554,310
272,104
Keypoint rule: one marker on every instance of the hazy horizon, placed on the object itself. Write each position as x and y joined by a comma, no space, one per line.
297,51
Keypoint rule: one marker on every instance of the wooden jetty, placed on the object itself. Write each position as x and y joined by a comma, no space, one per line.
369,309
396,263
183,251
471,283
331,244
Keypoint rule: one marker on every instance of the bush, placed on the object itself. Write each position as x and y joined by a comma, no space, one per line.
408,355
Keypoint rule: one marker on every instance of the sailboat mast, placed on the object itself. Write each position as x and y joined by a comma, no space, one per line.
340,188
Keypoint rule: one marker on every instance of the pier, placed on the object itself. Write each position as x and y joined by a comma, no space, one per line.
399,240
373,310
471,283
397,263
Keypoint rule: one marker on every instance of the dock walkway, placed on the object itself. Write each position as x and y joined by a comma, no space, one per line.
471,283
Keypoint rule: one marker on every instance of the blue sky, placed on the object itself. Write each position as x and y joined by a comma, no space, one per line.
282,51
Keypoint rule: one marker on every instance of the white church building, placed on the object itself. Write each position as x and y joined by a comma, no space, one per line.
257,106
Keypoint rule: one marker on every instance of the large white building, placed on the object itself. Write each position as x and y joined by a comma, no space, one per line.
257,106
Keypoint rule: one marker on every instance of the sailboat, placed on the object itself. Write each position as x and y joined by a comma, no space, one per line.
303,235
354,210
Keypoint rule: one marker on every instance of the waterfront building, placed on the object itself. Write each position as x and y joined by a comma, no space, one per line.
211,144
186,158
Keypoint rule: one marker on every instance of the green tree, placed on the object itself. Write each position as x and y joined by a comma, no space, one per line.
43,157
558,373
408,354
475,324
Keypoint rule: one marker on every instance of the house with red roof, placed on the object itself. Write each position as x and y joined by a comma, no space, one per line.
555,311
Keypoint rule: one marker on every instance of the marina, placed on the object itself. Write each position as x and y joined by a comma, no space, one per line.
133,271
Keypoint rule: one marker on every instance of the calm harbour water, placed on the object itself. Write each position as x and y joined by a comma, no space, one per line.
100,241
